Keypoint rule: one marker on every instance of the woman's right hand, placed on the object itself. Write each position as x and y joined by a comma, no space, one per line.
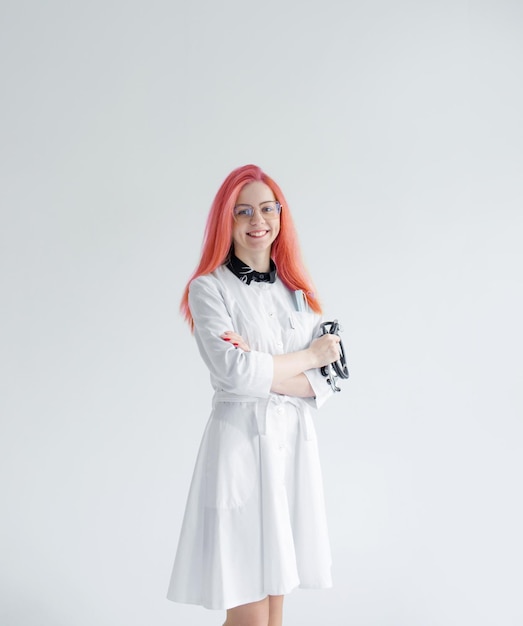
236,340
325,349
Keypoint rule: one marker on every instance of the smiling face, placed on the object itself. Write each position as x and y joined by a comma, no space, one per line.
253,236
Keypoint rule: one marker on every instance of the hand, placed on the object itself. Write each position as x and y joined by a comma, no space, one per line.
325,349
236,340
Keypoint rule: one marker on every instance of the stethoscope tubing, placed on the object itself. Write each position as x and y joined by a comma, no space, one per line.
338,368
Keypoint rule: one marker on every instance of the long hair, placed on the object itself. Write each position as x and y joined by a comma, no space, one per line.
217,238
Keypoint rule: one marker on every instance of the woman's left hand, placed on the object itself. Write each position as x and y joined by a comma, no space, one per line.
237,340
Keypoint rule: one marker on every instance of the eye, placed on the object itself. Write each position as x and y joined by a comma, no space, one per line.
270,209
243,211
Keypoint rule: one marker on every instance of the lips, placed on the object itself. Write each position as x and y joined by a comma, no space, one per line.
257,233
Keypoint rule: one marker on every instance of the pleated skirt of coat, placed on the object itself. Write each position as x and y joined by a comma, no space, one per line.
255,521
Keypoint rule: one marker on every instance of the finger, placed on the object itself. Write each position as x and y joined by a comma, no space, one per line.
235,338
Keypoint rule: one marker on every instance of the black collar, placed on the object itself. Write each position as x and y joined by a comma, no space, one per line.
246,274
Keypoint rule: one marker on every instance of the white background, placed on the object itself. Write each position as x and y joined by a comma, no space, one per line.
394,129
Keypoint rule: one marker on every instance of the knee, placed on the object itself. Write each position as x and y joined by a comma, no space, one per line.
254,614
253,620
250,621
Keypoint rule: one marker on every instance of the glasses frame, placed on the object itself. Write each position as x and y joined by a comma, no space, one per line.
260,209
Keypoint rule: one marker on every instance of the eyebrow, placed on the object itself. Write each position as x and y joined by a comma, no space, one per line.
250,205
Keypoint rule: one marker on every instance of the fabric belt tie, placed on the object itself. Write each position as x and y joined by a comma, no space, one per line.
264,405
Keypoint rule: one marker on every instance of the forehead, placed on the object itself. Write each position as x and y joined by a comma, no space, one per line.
255,193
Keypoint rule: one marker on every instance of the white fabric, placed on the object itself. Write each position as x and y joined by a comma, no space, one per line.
255,522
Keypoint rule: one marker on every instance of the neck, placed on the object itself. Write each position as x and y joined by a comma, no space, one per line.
260,262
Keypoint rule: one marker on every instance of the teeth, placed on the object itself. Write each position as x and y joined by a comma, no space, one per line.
258,233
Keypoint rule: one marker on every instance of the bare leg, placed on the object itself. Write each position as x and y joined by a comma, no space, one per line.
266,612
252,614
275,610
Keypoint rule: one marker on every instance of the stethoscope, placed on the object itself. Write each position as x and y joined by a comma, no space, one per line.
339,368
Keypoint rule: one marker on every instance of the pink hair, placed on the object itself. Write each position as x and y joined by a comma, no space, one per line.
218,236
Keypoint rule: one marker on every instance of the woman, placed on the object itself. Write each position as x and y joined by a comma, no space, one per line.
254,526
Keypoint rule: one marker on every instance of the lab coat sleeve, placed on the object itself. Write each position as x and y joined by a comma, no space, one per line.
320,386
232,370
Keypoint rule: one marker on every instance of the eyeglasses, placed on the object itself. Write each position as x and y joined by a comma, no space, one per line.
269,211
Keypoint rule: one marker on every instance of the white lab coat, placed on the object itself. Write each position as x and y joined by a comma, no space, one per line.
255,522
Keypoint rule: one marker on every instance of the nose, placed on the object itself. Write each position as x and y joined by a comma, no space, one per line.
257,217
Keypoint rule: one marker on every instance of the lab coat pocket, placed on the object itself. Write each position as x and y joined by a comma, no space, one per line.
232,455
300,330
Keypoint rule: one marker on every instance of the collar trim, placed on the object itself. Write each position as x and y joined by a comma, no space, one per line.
246,274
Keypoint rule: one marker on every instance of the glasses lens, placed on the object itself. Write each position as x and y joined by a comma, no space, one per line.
269,211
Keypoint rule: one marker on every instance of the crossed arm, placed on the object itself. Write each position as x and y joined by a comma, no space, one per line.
288,369
254,373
